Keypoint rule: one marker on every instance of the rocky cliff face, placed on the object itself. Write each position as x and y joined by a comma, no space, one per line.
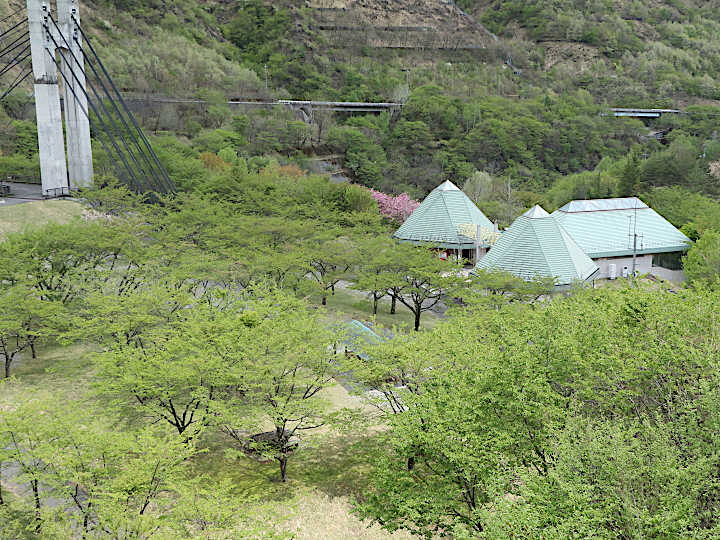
399,24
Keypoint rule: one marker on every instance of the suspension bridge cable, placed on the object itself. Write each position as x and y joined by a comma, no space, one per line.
157,180
170,186
97,115
20,78
12,62
152,174
12,29
20,41
8,17
102,105
162,179
90,119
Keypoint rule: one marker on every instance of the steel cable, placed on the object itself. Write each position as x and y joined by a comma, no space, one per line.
157,184
8,17
169,183
102,105
12,63
19,79
97,115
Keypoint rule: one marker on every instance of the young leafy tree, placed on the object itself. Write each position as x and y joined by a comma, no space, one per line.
580,415
63,261
331,257
421,279
376,258
24,319
175,372
497,288
87,479
628,183
289,361
480,413
386,371
702,264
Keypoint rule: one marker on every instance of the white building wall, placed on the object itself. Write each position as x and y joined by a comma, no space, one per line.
643,265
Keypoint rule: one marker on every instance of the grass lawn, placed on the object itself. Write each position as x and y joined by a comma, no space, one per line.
345,305
17,217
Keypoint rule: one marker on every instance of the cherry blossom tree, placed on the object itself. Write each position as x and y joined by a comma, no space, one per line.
395,208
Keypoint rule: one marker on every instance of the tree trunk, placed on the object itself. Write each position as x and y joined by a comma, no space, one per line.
375,304
417,319
8,361
411,463
283,467
324,300
36,496
32,350
393,304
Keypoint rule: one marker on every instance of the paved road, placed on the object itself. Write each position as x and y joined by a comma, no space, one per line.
21,193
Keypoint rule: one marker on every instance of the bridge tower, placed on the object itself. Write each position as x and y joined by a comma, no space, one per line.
54,165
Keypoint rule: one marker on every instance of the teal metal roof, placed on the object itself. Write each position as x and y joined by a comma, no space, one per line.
536,211
605,227
539,247
360,336
437,220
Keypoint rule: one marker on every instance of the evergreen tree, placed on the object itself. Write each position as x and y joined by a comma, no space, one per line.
628,184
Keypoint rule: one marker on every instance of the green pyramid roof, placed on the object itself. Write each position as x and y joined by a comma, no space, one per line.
438,219
539,247
604,227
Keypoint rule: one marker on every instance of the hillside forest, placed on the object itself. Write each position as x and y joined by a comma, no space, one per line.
254,357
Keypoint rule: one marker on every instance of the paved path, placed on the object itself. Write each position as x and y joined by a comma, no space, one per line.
21,193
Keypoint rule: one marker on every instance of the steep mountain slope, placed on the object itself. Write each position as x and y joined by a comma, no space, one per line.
631,52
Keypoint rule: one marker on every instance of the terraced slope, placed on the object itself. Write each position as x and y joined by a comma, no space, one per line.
428,24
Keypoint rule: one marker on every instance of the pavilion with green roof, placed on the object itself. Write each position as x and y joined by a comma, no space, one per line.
537,246
611,231
443,220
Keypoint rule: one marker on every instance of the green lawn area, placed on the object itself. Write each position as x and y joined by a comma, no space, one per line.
17,217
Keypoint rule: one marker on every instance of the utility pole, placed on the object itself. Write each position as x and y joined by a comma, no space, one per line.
635,236
77,124
53,169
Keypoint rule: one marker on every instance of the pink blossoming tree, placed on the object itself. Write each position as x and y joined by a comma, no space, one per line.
396,208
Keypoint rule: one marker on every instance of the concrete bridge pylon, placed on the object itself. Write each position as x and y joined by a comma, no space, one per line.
54,164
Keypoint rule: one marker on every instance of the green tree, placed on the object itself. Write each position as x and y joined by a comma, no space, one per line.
630,178
421,279
177,371
580,416
330,258
87,478
702,263
288,362
25,319
374,275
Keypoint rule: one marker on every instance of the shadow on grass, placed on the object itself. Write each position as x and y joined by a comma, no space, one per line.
334,464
